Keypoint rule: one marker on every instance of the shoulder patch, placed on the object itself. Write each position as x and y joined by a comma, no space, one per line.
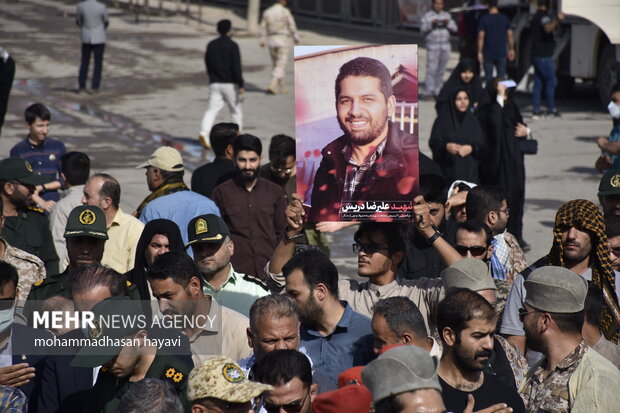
36,284
255,280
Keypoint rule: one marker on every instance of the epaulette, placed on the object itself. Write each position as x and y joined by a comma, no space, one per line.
255,280
44,282
173,376
36,209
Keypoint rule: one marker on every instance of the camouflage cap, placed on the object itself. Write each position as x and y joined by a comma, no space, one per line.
610,183
219,377
206,228
556,290
165,158
470,273
86,221
20,170
108,330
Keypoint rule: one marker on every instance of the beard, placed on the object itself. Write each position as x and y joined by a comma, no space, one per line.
532,339
466,362
246,178
364,137
20,200
311,313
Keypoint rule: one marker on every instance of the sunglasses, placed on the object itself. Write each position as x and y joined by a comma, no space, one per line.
293,407
476,250
368,248
523,312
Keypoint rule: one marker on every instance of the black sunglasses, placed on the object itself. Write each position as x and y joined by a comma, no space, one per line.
368,248
294,407
476,250
523,312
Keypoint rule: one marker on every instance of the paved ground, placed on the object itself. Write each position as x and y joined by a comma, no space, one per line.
154,90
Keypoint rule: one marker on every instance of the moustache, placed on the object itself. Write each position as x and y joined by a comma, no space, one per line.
356,118
483,353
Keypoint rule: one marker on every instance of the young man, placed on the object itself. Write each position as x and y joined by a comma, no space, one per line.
223,62
206,177
466,323
495,42
131,357
335,336
252,207
611,145
124,230
281,166
570,376
213,330
75,170
436,25
42,153
213,249
290,374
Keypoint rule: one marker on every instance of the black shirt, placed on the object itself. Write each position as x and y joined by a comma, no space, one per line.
223,61
543,43
491,392
207,177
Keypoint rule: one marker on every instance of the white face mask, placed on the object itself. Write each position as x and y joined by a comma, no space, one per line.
6,317
614,110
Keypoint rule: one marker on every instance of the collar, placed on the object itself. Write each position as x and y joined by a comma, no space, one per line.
381,288
211,323
574,357
116,221
32,146
231,278
347,153
343,323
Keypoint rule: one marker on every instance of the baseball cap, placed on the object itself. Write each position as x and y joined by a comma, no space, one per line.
107,332
165,158
20,170
610,183
206,228
470,273
399,370
556,290
86,221
219,377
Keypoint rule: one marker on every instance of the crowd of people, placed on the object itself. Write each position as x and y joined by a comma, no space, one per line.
230,302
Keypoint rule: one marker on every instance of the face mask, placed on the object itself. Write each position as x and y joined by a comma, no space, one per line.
614,110
6,318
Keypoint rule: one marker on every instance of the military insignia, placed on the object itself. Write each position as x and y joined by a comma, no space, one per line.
36,284
615,181
87,217
170,373
178,377
96,331
128,283
28,166
233,373
201,226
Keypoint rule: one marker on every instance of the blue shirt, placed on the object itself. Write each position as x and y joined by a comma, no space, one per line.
495,28
348,345
179,207
44,158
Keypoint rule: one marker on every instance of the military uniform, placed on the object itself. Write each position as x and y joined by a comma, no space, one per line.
30,269
108,391
29,231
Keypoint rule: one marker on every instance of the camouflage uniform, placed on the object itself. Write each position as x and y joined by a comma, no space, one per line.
518,364
277,28
30,269
551,393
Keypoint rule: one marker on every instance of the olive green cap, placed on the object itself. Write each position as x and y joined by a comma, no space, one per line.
20,170
470,273
86,221
108,330
610,183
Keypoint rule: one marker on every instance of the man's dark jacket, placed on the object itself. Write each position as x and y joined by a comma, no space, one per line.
393,176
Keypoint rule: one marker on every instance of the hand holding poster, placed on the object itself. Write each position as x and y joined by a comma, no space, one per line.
358,162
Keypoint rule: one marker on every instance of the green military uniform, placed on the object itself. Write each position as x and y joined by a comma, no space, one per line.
109,389
107,392
29,230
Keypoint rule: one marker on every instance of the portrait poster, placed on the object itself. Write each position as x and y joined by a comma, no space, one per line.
357,155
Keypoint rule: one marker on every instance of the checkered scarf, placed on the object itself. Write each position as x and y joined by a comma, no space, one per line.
583,214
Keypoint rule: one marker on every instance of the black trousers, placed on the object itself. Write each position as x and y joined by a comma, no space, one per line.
7,73
97,50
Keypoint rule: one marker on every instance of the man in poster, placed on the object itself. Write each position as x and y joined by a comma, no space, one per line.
372,168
